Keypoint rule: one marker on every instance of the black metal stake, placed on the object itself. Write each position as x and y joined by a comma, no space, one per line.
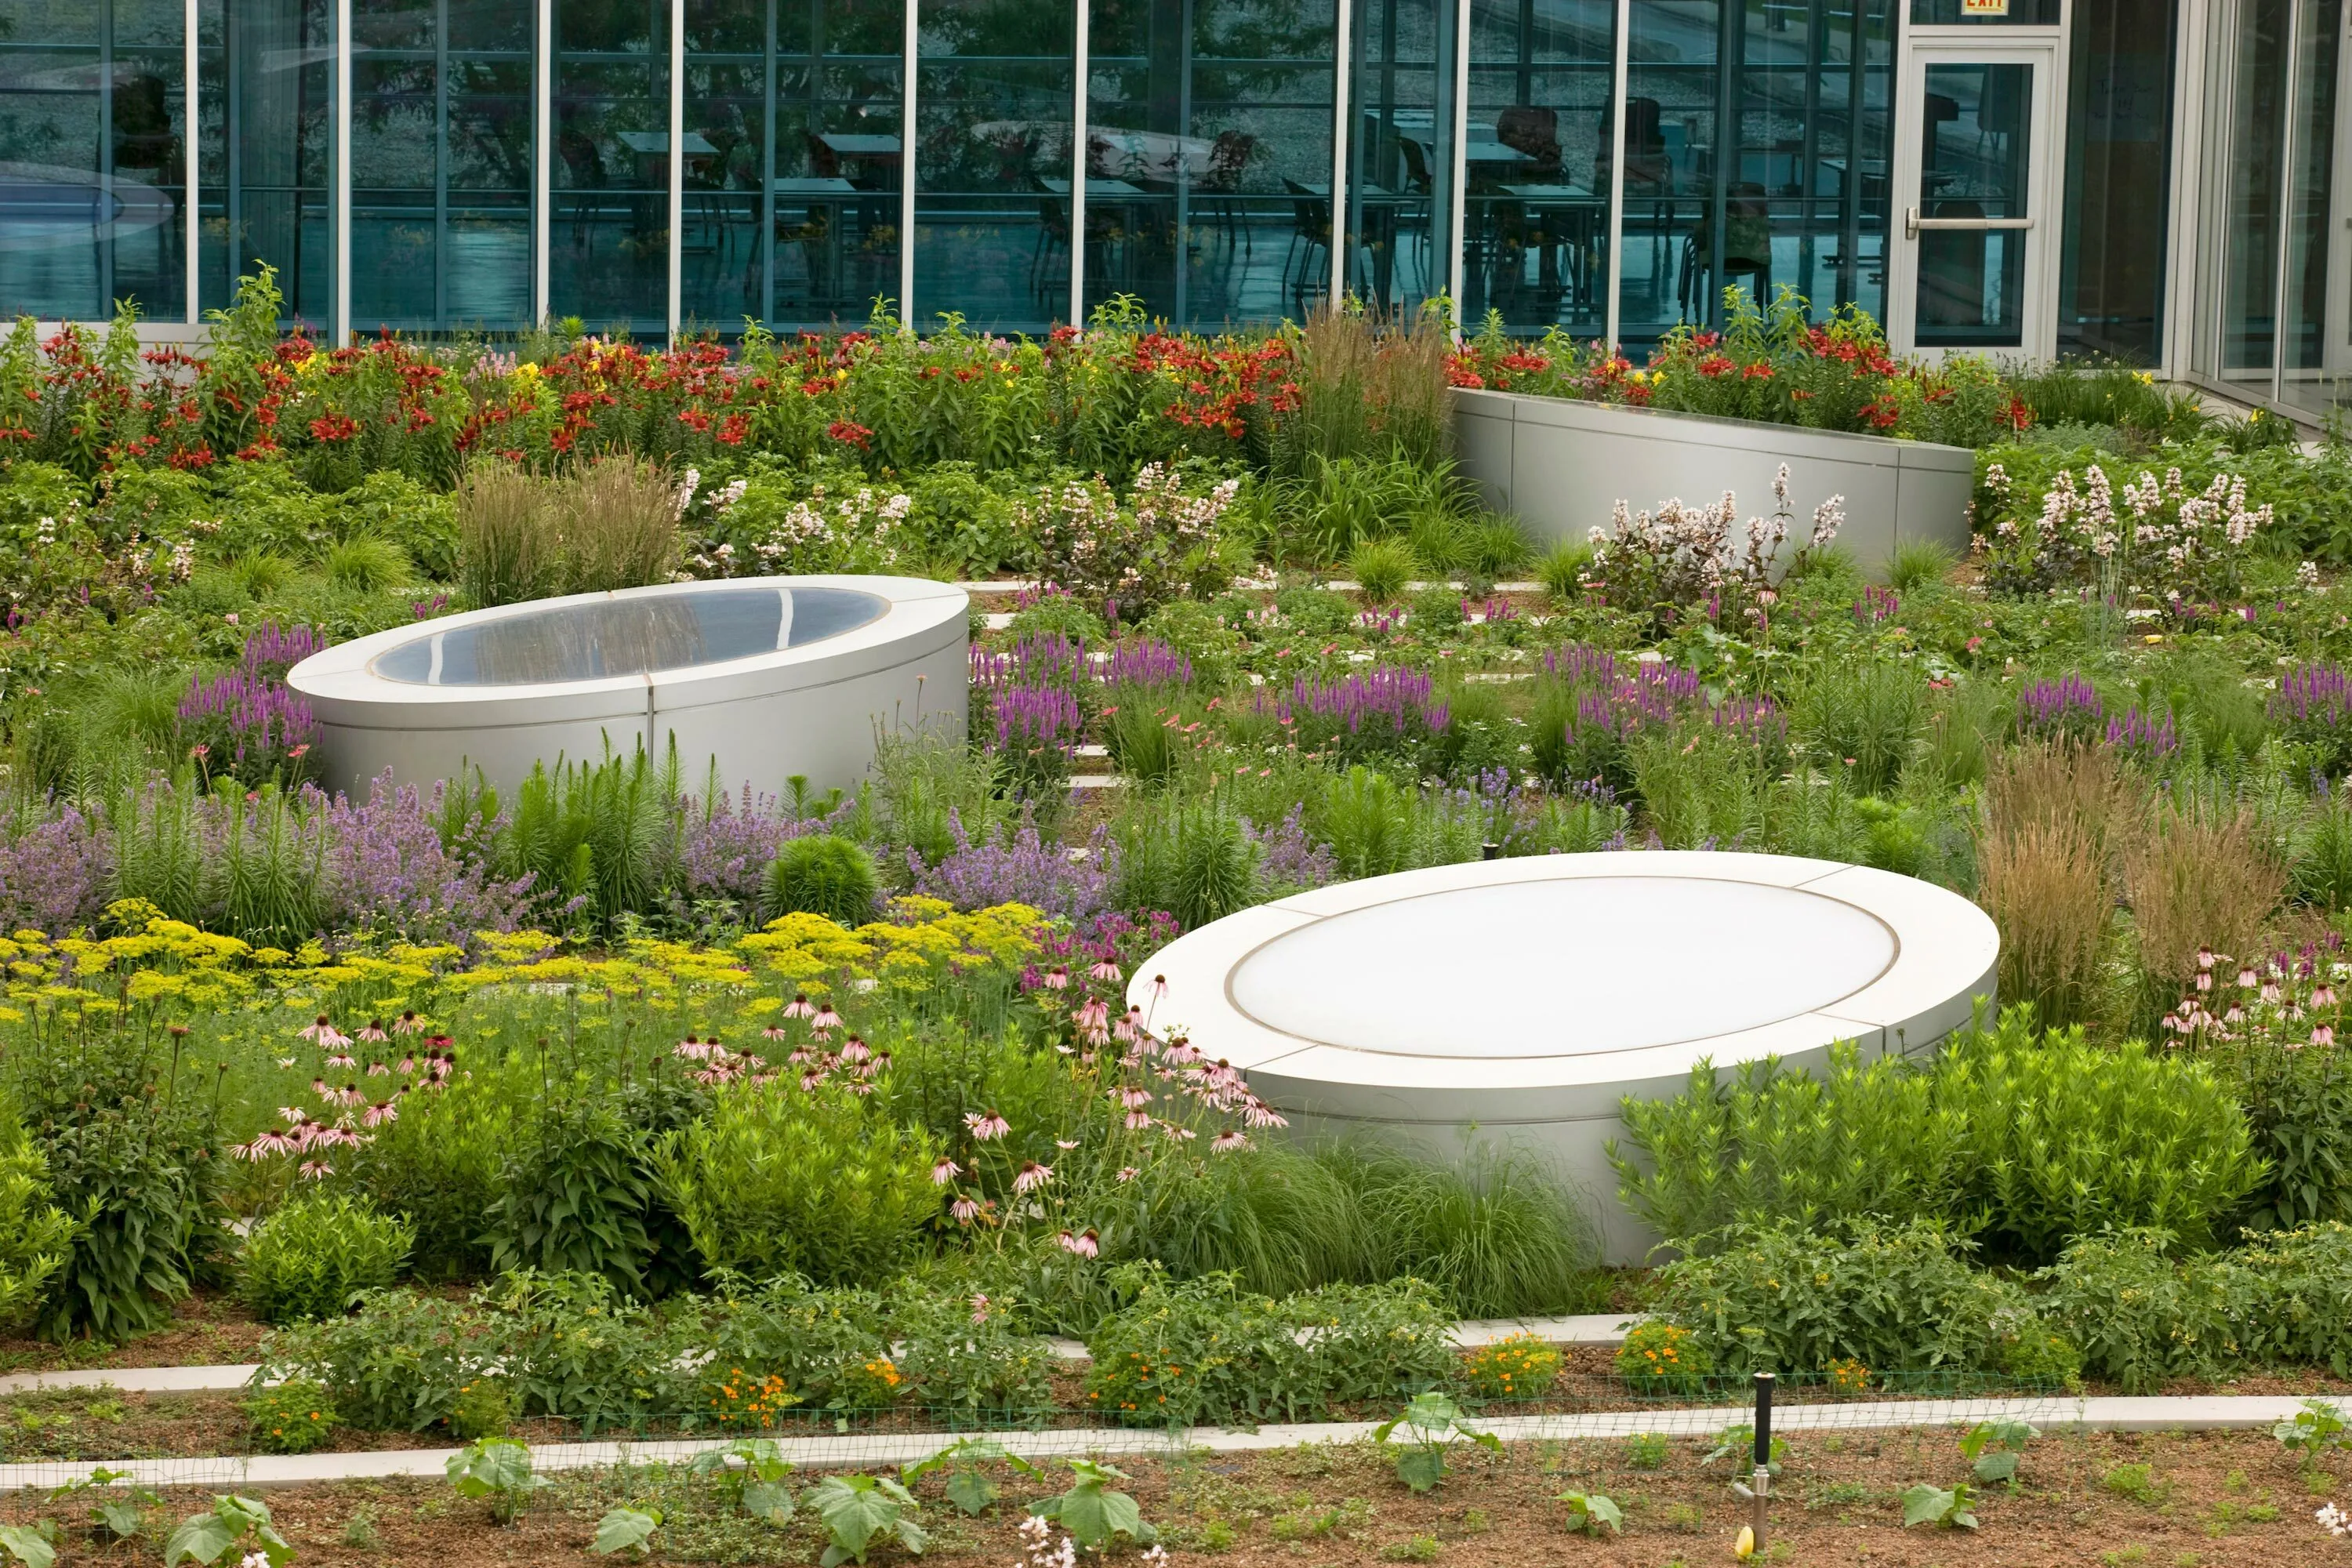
1763,1473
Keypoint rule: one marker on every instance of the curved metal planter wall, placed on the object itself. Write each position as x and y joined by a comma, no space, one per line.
1562,467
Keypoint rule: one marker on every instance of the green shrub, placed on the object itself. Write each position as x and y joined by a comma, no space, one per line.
397,1362
1918,563
1661,1358
777,1179
574,1196
314,1256
969,1358
483,1408
1861,720
2296,1306
1791,1298
293,1418
821,874
367,565
789,1345
2299,1108
35,1236
2141,1316
1380,568
1561,569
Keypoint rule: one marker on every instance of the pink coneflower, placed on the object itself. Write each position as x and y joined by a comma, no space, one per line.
1058,979
319,1030
826,1020
378,1070
944,1171
293,1115
1181,1052
691,1049
284,1061
2172,1024
1031,1176
1228,1141
881,1066
379,1112
2205,956
1125,1029
2247,979
373,1033
775,1032
318,1086
1107,972
1139,1122
1091,1015
1066,1144
965,1211
2235,1014
1258,1114
984,1127
316,1169
1182,1135
1159,987
1132,1098
808,1081
1085,1244
408,1066
2321,1034
2271,991
342,1059
2323,994
800,1006
854,1051
408,1023
2204,980
1128,1173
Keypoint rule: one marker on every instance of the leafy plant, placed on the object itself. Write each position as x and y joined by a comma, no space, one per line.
1093,1512
858,1510
1434,1420
1590,1513
1380,568
2315,1430
31,1544
290,1418
316,1253
233,1528
754,1468
497,1469
625,1529
1664,1358
1516,1366
1993,1448
821,874
35,1236
1738,1444
968,1485
122,1516
1927,1503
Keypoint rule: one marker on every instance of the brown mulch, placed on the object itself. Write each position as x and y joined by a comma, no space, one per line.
2200,1501
207,1329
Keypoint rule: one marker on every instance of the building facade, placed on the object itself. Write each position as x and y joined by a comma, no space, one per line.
2150,179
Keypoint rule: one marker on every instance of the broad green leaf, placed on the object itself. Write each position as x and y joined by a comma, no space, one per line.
771,1503
1992,1467
1421,1468
123,1518
1926,1504
201,1538
1606,1511
971,1490
623,1530
856,1509
25,1543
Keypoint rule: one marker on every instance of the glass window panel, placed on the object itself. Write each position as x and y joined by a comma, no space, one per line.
441,166
1673,89
1974,149
608,219
795,219
1400,160
2118,149
2253,158
2316,341
1209,133
993,198
265,133
1535,232
1985,13
53,206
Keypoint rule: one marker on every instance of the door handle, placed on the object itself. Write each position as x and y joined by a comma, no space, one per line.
1913,223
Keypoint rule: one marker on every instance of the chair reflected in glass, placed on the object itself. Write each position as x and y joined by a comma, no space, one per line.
1747,252
1311,231
1219,188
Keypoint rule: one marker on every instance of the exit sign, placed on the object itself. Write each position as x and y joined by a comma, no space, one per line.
1984,7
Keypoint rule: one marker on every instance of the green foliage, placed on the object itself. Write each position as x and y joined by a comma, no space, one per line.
576,1195
2033,1139
1861,720
368,564
968,1485
821,874
973,1361
1927,1503
859,1511
1563,568
234,1529
1590,1513
292,1417
1380,568
755,1468
2141,1316
1790,1299
35,1236
483,1408
1496,1232
775,1179
1195,859
625,1529
1433,1420
31,1544
2312,1432
316,1253
1092,1512
1664,1358
1918,563
2298,1106
396,1362
2294,1292
497,1469
1994,1448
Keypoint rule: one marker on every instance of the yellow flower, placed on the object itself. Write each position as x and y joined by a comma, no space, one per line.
1745,1547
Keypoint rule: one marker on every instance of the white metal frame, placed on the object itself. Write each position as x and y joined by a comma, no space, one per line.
2044,49
910,71
340,310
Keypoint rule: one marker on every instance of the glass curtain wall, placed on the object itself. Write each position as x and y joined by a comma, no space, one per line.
2315,336
792,219
1208,155
265,147
608,210
1757,139
992,211
2118,149
93,122
441,164
1535,232
1397,227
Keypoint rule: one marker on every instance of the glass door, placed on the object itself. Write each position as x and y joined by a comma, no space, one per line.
1974,243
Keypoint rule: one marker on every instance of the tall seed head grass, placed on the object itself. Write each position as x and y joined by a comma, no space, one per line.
2196,876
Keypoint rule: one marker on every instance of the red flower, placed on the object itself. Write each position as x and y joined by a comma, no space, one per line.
734,429
853,433
334,428
1714,364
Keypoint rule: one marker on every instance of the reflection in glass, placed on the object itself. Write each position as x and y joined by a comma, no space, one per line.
1790,191
2253,164
640,634
1536,216
441,163
92,117
608,219
793,217
1987,14
1974,154
2315,339
1399,220
266,134
1208,156
993,169
2118,149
